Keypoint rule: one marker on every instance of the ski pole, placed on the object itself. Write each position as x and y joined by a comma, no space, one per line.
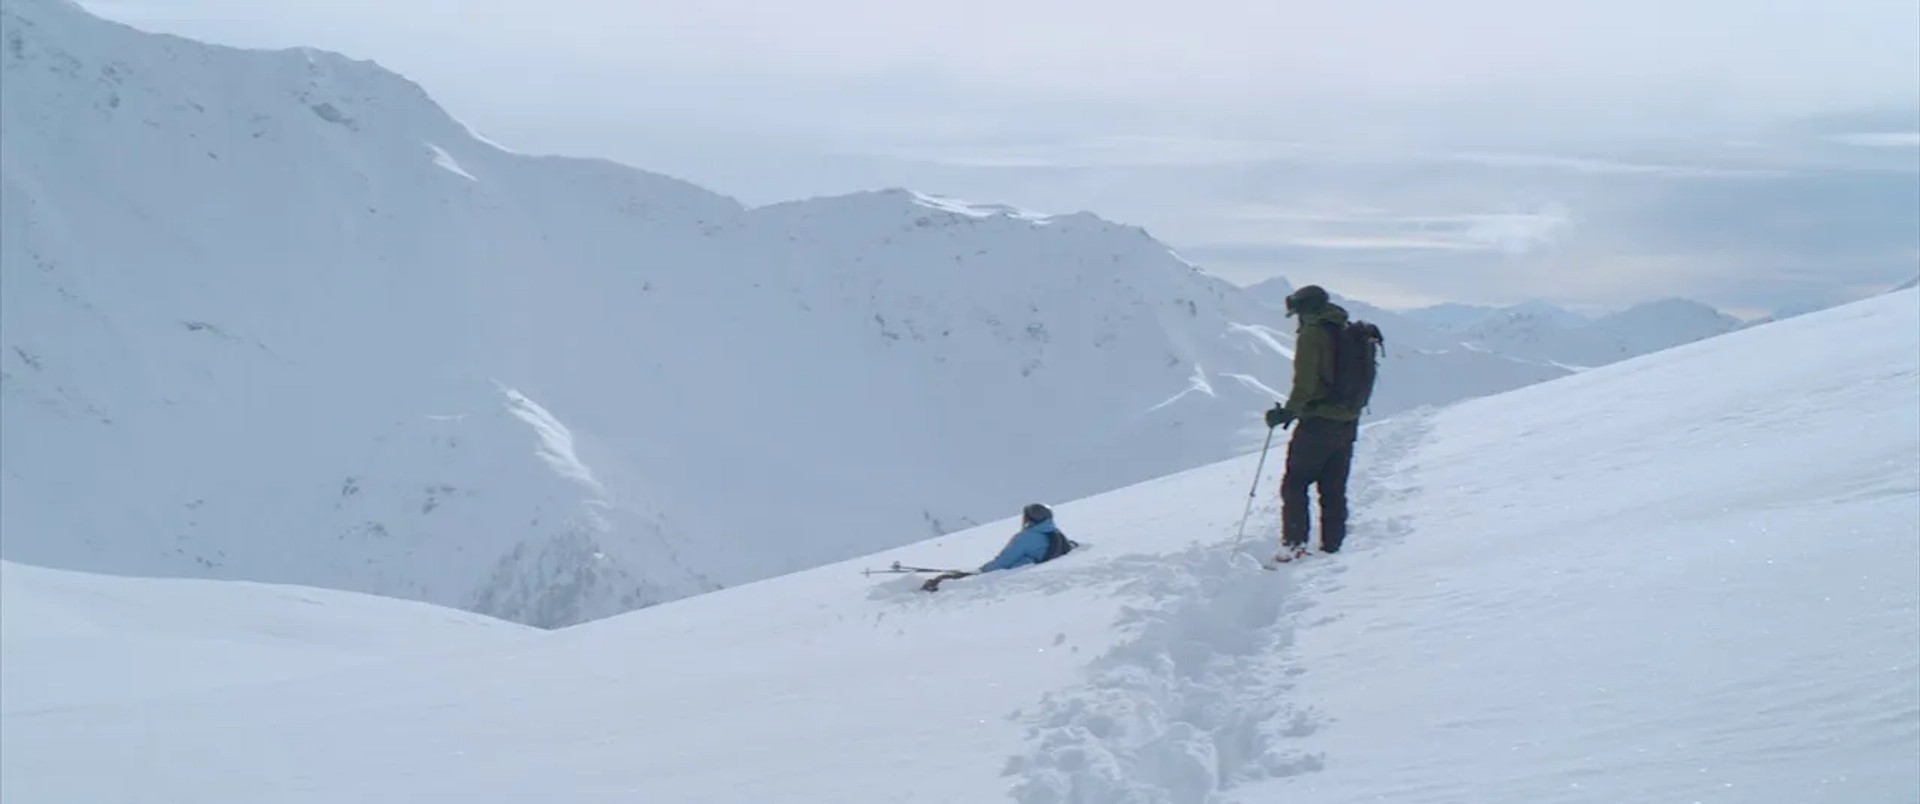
898,568
1256,485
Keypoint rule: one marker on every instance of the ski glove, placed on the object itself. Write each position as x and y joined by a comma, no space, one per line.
933,584
1279,416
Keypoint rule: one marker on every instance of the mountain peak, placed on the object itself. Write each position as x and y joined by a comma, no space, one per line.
1271,291
918,202
1553,312
976,210
1672,308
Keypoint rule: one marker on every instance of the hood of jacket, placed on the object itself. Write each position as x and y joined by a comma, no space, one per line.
1328,313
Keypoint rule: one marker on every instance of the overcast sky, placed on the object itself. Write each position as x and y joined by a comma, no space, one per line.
1749,153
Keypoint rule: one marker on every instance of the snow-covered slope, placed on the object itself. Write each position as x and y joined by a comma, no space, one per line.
277,316
73,639
1683,577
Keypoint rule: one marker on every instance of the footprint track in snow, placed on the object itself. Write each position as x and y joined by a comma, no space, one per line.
1188,704
1192,702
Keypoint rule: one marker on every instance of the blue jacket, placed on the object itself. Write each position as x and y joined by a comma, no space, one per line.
1026,547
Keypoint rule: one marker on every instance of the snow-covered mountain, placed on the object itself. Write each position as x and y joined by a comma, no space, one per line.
1450,315
1271,292
260,322
275,315
1652,326
1791,311
1617,586
1454,316
1537,331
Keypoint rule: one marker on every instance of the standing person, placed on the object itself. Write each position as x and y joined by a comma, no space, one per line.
1333,366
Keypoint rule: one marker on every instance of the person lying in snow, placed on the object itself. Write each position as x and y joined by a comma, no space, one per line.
1039,541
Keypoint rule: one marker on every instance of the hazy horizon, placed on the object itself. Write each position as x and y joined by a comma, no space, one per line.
1491,152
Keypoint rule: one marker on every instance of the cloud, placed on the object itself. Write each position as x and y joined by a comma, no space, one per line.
1505,232
1283,57
1138,150
1724,159
1517,233
1579,164
1880,139
1501,231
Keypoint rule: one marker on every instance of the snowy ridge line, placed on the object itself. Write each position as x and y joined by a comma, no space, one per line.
1194,703
971,209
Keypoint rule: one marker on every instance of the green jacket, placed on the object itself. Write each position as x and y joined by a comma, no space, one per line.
1313,367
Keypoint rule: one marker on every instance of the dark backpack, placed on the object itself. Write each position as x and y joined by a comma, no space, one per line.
1057,545
1357,346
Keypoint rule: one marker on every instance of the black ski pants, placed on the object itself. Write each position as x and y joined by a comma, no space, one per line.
1321,455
